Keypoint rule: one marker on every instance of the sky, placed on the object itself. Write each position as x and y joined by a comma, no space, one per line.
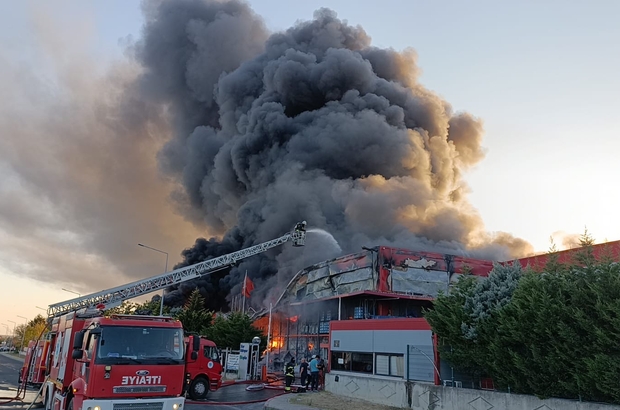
542,76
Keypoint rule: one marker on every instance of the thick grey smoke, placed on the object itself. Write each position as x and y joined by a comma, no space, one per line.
314,124
253,132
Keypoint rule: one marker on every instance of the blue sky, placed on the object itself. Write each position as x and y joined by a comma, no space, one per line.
543,76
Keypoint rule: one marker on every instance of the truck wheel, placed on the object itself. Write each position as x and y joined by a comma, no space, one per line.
199,388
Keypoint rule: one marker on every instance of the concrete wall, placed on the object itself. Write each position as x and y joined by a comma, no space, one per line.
419,396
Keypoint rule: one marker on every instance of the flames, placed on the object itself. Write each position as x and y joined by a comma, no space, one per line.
276,343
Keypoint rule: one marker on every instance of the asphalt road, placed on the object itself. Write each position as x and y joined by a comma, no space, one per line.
10,365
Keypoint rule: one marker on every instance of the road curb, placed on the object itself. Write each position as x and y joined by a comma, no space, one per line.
10,356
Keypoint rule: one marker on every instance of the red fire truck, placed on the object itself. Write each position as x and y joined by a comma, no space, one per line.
36,356
105,363
203,370
132,362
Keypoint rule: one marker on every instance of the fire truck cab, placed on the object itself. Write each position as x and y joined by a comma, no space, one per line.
117,362
203,368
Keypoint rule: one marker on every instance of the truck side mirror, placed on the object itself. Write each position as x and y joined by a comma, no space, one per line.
77,354
78,341
196,343
194,355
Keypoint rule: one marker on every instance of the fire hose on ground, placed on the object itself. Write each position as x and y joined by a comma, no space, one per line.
21,388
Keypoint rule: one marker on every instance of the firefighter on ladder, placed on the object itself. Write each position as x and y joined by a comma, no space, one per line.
289,374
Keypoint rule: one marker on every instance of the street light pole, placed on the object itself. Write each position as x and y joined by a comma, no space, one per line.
163,291
23,334
71,291
13,335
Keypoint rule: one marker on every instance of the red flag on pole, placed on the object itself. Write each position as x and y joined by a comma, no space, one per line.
248,287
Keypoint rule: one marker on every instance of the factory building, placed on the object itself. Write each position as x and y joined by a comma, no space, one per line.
363,312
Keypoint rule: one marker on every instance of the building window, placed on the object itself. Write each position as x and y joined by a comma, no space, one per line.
390,365
361,362
341,361
352,362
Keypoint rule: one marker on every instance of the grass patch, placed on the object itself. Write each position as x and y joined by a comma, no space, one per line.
328,401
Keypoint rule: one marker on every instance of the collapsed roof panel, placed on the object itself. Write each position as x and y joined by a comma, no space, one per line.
382,269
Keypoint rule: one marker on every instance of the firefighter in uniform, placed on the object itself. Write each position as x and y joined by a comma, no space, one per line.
289,374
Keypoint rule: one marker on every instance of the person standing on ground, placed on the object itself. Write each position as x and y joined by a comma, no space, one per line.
303,373
314,372
321,367
289,374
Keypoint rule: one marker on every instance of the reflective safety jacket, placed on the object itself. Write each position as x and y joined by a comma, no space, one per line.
290,370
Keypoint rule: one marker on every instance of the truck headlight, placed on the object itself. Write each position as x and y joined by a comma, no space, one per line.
176,406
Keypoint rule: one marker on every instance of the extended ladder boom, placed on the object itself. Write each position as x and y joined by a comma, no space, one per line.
113,297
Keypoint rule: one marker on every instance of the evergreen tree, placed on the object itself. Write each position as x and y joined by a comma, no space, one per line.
233,330
194,316
585,255
465,320
447,318
152,307
125,308
489,296
558,336
553,264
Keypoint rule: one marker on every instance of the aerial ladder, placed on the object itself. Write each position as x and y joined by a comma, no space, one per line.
113,297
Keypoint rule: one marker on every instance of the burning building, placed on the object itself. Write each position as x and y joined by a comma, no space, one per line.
363,311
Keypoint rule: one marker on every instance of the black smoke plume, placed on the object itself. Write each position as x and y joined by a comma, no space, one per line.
313,124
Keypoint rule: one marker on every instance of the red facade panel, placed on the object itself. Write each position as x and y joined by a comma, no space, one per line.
435,261
478,267
538,262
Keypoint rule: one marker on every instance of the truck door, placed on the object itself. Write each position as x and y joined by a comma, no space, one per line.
89,350
65,349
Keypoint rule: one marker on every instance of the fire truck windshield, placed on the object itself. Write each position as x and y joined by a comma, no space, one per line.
130,345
